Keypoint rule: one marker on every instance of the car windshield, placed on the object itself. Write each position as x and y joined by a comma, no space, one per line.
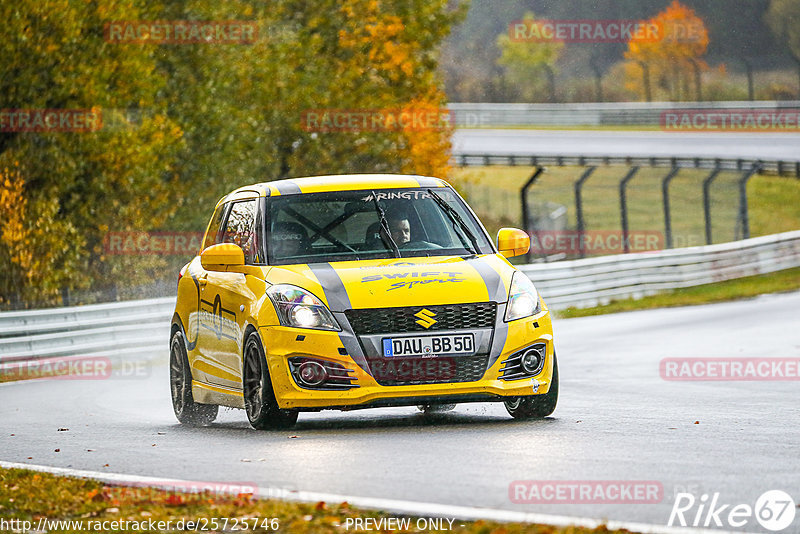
371,224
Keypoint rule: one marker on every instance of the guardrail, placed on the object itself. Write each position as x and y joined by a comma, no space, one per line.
132,327
482,115
592,281
122,329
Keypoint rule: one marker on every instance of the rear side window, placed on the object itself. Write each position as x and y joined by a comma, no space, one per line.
212,232
240,226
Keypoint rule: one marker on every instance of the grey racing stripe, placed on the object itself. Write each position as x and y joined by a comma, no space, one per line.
500,335
287,187
350,342
494,284
427,181
332,285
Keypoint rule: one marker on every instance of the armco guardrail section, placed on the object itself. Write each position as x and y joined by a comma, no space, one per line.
593,281
110,329
473,115
122,329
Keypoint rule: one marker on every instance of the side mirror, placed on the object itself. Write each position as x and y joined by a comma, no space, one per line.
222,257
512,242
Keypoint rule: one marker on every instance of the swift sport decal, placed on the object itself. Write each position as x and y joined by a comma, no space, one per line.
418,274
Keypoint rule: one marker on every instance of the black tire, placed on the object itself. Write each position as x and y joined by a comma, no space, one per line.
186,409
435,408
259,397
536,406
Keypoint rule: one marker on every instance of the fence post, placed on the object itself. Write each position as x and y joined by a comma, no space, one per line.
523,193
665,195
743,215
65,296
623,206
579,207
707,201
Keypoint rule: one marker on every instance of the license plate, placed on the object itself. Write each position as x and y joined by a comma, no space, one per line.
429,345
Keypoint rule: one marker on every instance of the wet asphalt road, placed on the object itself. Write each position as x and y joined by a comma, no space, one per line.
617,419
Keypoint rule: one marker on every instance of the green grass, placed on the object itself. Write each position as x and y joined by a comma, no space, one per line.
751,286
27,495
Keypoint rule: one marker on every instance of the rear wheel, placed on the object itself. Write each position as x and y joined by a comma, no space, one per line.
259,398
536,406
186,409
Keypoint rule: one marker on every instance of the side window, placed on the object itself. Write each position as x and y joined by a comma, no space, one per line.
212,232
239,228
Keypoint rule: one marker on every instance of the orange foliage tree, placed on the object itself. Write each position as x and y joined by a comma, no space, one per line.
671,63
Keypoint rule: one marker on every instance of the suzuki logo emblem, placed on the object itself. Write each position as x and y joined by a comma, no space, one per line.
426,318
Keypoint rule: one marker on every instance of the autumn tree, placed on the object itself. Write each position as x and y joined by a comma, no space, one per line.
529,65
783,18
669,66
184,124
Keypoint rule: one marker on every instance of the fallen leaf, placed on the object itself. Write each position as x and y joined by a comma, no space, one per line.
58,450
245,460
292,437
89,450
697,422
161,433
63,430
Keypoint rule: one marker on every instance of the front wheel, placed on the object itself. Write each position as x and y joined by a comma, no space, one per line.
186,409
536,406
259,398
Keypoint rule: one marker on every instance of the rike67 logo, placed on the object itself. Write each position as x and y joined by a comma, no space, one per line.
774,510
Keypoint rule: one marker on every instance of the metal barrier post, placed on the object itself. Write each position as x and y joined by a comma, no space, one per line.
525,211
707,201
743,215
665,195
579,207
623,206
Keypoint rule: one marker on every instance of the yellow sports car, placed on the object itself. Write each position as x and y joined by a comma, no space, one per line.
356,291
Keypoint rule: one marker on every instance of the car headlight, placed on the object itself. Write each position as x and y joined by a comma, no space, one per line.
523,299
298,308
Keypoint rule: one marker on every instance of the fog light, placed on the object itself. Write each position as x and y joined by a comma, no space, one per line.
312,373
531,361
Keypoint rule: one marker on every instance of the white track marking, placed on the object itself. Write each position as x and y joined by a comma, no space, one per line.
387,505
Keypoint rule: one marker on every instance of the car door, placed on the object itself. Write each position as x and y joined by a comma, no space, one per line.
226,297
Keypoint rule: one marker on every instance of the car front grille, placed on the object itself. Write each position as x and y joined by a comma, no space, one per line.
402,320
440,370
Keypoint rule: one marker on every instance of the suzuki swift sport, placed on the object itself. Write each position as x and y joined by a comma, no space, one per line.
358,291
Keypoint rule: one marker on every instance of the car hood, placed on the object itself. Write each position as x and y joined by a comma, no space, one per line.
402,281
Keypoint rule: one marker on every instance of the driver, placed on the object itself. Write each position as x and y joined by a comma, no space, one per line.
399,228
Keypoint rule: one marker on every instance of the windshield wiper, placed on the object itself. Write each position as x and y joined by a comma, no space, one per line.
385,225
457,220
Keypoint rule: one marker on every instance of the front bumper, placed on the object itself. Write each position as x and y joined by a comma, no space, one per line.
282,343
